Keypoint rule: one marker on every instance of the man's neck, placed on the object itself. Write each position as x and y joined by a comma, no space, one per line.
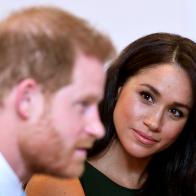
16,162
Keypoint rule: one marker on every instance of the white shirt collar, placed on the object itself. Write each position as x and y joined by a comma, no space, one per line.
10,184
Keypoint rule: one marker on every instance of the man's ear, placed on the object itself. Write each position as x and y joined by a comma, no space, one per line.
24,97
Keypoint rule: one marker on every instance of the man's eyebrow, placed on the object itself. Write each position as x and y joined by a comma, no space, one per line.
92,97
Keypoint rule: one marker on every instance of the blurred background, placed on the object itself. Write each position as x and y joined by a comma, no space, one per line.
124,20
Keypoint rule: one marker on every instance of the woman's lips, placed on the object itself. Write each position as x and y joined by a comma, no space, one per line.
144,138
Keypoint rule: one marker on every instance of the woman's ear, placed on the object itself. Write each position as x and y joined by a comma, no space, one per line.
119,91
24,97
118,94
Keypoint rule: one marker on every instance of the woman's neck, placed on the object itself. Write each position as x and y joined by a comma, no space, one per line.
120,167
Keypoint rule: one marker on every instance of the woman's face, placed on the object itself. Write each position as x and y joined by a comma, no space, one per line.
152,109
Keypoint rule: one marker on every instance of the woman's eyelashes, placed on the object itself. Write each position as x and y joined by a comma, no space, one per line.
146,96
176,113
149,98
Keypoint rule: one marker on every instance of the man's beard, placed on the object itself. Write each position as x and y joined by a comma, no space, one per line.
41,147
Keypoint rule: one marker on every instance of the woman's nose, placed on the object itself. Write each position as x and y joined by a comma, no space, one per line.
153,120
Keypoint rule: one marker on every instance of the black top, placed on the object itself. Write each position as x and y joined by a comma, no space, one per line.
96,183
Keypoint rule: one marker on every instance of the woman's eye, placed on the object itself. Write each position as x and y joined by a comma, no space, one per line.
147,96
176,113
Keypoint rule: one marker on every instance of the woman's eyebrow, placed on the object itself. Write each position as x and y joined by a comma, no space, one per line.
154,90
182,105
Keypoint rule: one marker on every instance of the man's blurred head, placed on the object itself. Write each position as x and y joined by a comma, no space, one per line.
51,80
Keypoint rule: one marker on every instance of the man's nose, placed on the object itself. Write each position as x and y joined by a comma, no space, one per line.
94,125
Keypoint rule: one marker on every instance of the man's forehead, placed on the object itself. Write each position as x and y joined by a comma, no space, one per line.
85,65
91,93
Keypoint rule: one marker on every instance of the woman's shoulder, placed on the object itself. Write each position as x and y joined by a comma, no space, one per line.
43,185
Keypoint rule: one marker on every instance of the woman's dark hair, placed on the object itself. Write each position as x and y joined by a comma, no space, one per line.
172,171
